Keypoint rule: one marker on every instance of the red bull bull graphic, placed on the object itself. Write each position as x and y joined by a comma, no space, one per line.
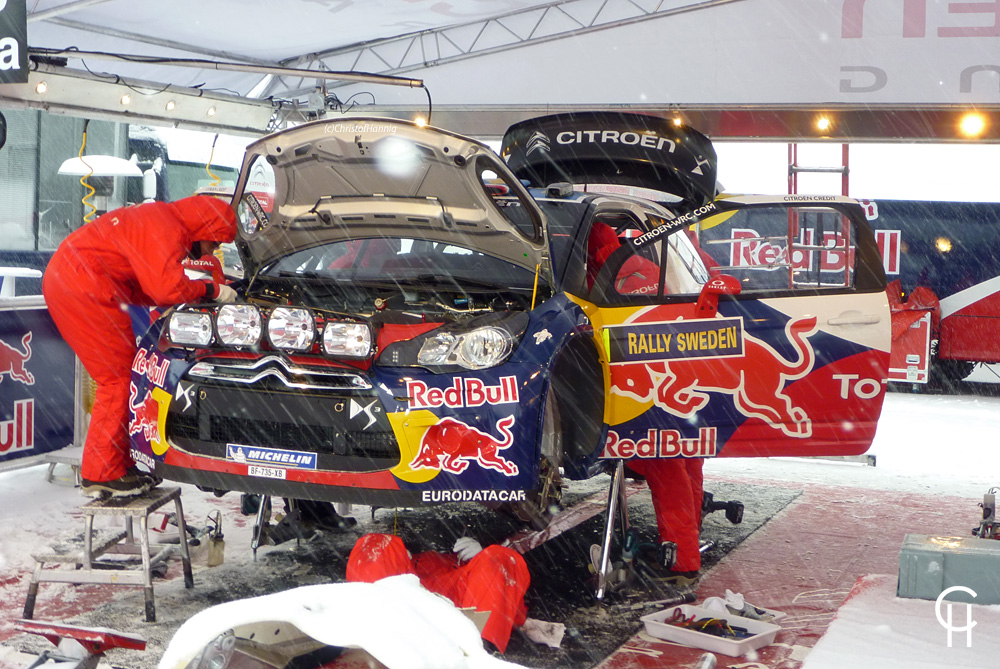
12,361
451,444
145,415
18,433
755,377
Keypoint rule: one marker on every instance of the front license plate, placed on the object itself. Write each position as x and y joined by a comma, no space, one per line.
266,472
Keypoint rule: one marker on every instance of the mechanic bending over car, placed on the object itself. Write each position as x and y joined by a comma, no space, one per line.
129,256
676,485
491,579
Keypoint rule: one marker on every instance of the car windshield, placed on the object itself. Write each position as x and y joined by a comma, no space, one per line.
401,260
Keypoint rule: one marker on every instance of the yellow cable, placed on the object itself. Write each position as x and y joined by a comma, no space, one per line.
89,216
534,290
215,180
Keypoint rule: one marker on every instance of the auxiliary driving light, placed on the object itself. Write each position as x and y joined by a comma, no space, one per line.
291,329
190,328
238,324
348,340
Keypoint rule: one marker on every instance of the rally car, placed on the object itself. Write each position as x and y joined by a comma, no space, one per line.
424,321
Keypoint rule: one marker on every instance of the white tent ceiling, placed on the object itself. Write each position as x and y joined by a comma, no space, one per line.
735,68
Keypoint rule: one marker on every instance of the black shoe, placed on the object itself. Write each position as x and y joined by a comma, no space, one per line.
129,485
156,480
657,564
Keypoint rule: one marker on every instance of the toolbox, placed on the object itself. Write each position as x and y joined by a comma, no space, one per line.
929,565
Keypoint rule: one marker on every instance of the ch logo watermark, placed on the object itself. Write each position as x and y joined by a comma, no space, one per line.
946,621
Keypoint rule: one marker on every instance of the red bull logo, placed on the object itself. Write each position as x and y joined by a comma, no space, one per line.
145,415
756,381
662,444
151,365
451,444
12,361
18,433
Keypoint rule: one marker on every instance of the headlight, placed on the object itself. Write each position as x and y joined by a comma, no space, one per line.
481,348
349,340
190,328
238,324
291,329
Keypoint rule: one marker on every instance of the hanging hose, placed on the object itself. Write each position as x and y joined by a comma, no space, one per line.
89,216
215,180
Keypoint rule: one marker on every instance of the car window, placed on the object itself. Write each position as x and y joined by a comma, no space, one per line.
617,270
777,248
386,258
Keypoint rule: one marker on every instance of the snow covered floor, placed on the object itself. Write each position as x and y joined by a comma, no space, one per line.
927,446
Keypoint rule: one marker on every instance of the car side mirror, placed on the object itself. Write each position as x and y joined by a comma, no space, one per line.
708,301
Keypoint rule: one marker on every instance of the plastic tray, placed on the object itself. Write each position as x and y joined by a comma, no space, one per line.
763,633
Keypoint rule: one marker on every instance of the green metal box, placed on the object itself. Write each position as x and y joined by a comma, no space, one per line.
929,565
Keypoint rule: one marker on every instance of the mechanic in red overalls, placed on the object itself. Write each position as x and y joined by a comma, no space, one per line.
676,486
129,256
491,579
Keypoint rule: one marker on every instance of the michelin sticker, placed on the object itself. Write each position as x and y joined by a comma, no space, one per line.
273,457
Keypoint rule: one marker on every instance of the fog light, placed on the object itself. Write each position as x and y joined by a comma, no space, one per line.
349,340
291,329
238,324
190,328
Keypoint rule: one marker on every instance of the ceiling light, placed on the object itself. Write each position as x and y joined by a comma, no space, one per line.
41,87
420,121
211,111
823,123
943,244
678,122
972,124
126,99
170,105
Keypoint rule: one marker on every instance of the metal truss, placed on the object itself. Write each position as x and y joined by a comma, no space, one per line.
504,32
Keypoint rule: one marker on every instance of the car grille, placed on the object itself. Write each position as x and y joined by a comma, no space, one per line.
314,422
274,371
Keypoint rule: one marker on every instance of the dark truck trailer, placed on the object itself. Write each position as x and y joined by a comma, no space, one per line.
946,259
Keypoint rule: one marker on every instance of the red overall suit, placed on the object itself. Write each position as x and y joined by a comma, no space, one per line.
127,256
494,580
676,487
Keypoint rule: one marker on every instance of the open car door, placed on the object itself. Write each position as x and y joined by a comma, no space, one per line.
758,327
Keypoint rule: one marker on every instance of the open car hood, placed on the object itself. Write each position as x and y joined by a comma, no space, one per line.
614,148
359,178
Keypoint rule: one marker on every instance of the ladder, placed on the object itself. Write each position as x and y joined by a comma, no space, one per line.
794,169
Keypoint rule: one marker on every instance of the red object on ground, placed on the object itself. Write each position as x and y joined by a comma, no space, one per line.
676,487
495,580
96,641
127,256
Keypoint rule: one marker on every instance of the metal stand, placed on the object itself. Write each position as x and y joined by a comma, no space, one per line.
617,507
260,524
87,567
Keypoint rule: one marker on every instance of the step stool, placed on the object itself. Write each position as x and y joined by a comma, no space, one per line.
87,568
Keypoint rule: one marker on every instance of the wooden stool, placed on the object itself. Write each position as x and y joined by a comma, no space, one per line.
86,566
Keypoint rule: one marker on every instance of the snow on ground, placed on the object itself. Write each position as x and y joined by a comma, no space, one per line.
929,444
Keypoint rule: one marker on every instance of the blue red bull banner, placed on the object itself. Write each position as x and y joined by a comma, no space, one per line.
13,42
37,381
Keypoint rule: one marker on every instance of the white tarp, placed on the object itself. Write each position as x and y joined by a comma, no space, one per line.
726,52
